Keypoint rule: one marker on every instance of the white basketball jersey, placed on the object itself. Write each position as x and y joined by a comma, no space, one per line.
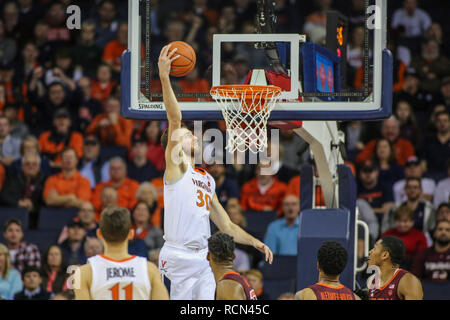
187,203
119,280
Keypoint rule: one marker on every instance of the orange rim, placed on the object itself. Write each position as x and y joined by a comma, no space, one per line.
246,91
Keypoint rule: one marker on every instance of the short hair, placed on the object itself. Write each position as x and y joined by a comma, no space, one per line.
395,247
439,222
403,212
407,180
118,159
29,269
12,221
332,258
29,138
147,185
115,224
440,113
67,294
165,136
69,149
221,247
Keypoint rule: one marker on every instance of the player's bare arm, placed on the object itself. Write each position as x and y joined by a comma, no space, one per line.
229,290
305,294
173,170
159,291
410,288
84,274
221,219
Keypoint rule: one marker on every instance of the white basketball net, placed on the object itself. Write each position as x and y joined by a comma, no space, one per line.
246,110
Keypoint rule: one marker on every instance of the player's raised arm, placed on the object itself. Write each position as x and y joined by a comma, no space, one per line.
410,288
173,111
221,219
84,274
159,291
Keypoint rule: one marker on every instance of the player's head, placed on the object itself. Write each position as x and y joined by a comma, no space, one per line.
115,225
189,142
388,249
221,249
331,258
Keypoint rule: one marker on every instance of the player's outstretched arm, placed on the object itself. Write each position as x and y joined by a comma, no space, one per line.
221,219
159,291
410,288
305,294
166,57
84,276
229,290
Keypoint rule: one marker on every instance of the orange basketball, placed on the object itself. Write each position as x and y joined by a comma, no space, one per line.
186,62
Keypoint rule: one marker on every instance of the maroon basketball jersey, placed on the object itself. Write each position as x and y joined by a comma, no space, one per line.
327,292
389,290
250,293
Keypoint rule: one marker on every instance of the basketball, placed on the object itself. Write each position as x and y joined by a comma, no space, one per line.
186,62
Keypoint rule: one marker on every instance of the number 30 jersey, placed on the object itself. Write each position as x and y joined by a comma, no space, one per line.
187,203
125,279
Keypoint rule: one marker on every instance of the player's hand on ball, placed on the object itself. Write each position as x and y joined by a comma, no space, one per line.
166,58
264,249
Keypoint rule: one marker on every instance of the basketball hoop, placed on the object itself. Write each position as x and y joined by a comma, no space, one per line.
246,110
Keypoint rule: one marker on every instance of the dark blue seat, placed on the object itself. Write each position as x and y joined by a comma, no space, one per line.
55,218
436,291
280,276
7,213
274,288
108,152
258,221
42,238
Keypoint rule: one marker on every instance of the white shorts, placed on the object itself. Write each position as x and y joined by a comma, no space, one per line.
188,271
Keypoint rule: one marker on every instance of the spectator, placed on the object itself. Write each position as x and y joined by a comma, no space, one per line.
413,21
293,148
158,183
68,188
193,83
73,247
61,136
103,86
442,193
30,144
408,125
438,144
54,273
106,23
316,22
144,229
90,107
22,253
45,48
443,212
433,264
147,193
114,49
264,192
384,158
413,239
256,280
8,47
27,62
282,171
11,20
24,190
110,127
390,130
355,52
367,215
227,189
126,187
10,279
155,154
370,189
56,19
32,289
93,247
108,197
92,166
63,71
423,213
282,234
18,129
29,13
413,168
9,146
139,167
87,55
445,91
431,66
86,215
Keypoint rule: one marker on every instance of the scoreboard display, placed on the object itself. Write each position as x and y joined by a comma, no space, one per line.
337,39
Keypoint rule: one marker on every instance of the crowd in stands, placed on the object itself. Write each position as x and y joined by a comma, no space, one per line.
65,145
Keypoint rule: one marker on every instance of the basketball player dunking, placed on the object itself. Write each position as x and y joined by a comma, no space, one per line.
331,261
117,275
230,284
189,202
394,283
